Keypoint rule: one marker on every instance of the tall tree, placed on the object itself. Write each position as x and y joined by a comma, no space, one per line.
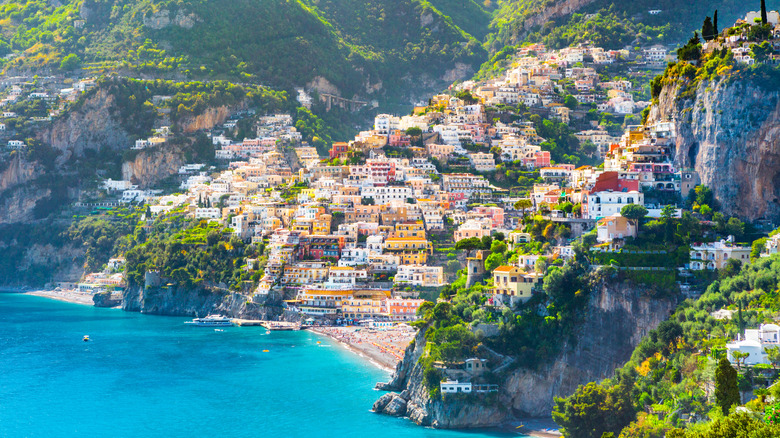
726,389
715,22
523,204
634,212
763,12
707,29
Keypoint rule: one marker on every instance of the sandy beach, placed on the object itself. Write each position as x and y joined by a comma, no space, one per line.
70,296
384,347
536,427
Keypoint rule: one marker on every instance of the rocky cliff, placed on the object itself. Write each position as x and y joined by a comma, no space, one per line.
617,317
208,119
152,165
175,301
93,124
729,131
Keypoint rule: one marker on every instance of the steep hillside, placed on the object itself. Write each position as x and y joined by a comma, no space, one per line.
94,135
353,49
727,118
550,20
614,320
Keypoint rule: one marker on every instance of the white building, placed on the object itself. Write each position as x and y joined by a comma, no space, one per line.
112,185
715,255
754,343
607,203
772,17
16,144
482,162
133,195
455,387
208,213
384,195
418,275
385,123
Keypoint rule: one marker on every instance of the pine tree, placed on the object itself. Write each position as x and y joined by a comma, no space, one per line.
763,12
726,390
707,30
715,22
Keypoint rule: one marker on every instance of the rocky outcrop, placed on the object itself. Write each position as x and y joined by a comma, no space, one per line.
18,171
17,204
162,18
208,119
542,13
94,124
106,299
729,132
457,73
153,164
617,317
200,301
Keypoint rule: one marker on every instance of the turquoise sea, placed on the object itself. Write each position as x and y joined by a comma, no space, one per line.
150,376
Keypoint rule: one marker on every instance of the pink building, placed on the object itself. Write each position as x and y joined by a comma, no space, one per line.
496,215
399,139
538,160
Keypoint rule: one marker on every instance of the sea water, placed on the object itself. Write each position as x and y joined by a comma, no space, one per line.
149,376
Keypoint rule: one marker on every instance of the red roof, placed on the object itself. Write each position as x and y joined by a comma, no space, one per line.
611,181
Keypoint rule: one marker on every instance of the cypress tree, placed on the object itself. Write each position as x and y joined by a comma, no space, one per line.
763,12
715,22
707,30
726,389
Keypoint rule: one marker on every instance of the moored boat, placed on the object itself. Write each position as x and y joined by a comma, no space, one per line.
211,321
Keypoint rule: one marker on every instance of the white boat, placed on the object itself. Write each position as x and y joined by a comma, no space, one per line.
211,321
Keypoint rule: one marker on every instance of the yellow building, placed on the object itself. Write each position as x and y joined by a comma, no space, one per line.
410,250
513,283
365,304
321,225
304,274
351,303
303,226
413,229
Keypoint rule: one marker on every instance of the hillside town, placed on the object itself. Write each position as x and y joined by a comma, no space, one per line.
382,223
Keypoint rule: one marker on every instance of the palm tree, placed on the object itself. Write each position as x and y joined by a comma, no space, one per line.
739,357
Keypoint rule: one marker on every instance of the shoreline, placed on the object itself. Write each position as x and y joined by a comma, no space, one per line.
365,350
363,347
65,296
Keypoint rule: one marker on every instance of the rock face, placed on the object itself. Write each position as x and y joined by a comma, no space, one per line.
729,132
152,165
210,118
544,12
93,125
176,301
106,299
162,18
617,317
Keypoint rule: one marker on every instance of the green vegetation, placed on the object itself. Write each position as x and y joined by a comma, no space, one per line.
283,43
671,364
673,23
191,253
605,29
134,99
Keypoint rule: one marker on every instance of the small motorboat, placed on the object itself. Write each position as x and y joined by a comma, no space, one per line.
86,338
218,330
